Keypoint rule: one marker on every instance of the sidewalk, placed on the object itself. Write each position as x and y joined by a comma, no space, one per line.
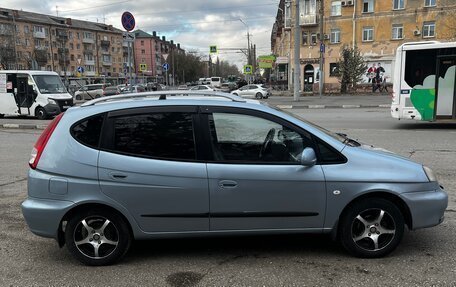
334,101
284,102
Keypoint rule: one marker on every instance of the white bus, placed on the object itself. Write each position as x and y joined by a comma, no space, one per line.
34,93
424,82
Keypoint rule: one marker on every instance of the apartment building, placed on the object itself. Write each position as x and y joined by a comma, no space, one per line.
151,50
376,27
67,46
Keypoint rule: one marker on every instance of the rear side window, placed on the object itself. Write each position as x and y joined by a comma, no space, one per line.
88,131
167,135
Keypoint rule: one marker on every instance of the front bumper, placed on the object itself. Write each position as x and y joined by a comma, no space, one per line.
427,208
43,216
59,107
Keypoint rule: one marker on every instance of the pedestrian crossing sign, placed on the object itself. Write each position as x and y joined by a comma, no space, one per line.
213,49
248,69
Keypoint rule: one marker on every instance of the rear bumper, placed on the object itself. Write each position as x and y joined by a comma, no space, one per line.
43,216
427,208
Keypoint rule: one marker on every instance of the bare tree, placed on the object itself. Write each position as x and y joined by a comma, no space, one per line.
7,57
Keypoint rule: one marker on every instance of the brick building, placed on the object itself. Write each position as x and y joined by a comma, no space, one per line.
376,27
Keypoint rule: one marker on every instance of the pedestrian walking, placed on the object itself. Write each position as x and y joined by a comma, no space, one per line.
371,72
378,80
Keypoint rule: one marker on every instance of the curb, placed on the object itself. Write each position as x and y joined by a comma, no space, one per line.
23,126
332,107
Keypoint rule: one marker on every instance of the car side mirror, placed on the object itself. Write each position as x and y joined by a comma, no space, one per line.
308,157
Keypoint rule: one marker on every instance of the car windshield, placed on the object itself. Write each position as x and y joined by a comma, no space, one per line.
338,136
49,84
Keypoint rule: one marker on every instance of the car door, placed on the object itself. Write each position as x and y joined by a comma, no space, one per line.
255,177
148,164
244,91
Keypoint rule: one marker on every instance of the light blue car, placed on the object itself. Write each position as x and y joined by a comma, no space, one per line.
151,165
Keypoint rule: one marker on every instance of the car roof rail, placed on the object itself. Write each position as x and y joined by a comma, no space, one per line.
162,95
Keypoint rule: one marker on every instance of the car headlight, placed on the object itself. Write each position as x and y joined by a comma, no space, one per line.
52,102
429,173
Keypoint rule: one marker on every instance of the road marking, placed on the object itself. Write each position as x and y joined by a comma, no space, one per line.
316,106
350,106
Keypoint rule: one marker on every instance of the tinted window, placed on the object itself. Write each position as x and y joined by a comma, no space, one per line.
158,135
245,138
88,131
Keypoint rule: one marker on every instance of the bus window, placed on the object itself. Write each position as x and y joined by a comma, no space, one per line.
419,64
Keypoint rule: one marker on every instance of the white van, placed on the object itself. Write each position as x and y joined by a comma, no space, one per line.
35,93
216,82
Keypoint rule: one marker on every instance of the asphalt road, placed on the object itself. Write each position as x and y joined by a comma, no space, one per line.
424,258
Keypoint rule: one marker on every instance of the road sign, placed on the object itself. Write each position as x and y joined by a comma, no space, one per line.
322,48
248,69
79,61
128,37
165,56
128,21
165,66
143,67
81,69
213,49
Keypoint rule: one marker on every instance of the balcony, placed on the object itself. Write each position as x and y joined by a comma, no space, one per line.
308,20
106,63
39,34
105,52
89,73
89,62
104,43
88,40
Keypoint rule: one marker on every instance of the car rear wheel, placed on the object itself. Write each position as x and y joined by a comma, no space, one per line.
371,228
259,96
41,113
78,97
97,237
236,94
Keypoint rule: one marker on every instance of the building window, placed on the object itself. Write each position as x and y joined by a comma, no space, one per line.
26,29
304,38
72,57
142,42
78,46
333,69
77,35
143,51
335,36
429,3
397,32
336,8
288,14
308,12
428,29
27,43
313,39
368,34
368,6
71,46
398,4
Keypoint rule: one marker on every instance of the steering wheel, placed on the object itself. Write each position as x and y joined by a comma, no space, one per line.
267,142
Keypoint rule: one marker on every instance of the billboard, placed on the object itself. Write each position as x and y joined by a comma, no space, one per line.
265,62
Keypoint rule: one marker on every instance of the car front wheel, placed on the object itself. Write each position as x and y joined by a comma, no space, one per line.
41,113
371,228
97,237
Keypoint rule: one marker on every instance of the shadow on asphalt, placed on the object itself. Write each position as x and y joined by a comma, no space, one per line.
239,246
426,126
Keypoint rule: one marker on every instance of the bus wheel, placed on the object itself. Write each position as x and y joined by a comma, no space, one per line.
41,113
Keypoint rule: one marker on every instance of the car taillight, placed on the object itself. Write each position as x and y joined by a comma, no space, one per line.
42,141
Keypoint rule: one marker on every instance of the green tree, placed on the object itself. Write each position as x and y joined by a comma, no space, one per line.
351,68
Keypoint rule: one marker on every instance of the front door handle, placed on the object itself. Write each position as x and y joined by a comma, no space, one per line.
227,184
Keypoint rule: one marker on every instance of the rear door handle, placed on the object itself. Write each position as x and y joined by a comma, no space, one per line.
116,175
227,184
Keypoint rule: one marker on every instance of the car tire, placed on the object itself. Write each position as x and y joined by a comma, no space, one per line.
97,237
41,113
371,228
236,94
97,96
258,95
78,97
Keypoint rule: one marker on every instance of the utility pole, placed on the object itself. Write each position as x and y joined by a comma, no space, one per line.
297,65
322,48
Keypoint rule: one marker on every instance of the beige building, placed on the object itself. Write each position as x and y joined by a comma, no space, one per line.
43,42
376,27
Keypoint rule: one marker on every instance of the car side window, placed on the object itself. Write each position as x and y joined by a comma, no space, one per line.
88,131
165,135
251,139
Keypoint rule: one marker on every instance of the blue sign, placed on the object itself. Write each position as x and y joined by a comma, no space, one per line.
128,21
322,48
81,69
165,66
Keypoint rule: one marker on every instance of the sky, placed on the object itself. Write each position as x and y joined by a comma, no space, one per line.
195,24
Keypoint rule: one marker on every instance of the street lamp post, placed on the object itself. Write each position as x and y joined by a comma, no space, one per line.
248,45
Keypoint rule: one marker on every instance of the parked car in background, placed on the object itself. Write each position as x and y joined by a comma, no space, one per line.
89,92
115,169
257,91
182,87
225,87
133,89
201,88
111,91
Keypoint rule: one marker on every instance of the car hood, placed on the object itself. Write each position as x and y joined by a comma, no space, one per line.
368,163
